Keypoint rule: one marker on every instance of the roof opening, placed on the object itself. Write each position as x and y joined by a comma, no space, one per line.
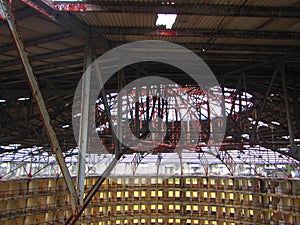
166,20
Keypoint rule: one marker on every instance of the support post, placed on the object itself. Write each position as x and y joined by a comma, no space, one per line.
293,148
84,121
37,94
264,103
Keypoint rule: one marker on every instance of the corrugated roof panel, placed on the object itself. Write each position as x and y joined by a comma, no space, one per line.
273,3
242,23
118,19
295,27
130,38
238,2
205,22
39,25
280,24
255,41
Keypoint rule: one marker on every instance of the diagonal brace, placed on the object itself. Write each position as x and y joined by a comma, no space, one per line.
37,94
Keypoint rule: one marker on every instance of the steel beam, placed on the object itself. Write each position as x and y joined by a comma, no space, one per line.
182,32
39,100
39,57
39,40
203,46
179,8
84,121
15,73
21,14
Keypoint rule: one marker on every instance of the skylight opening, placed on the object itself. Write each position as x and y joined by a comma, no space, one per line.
166,20
23,99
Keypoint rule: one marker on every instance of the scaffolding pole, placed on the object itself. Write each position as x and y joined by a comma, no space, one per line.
38,97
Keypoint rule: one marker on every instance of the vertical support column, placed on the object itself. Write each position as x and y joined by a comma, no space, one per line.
84,120
38,97
264,103
287,110
120,108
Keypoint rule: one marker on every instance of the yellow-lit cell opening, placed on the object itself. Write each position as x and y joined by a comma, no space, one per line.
212,181
223,195
125,207
119,194
135,194
195,208
159,206
119,181
143,181
188,194
171,207
160,220
171,221
177,180
143,207
170,194
143,194
136,181
135,221
126,181
177,221
205,194
195,221
177,207
153,220
136,207
159,193
118,208
250,197
214,209
188,207
126,194
170,181
143,221
194,181
153,193
187,180
153,207
177,194
212,195
251,212
195,194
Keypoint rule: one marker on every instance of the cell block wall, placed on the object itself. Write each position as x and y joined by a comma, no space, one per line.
153,200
